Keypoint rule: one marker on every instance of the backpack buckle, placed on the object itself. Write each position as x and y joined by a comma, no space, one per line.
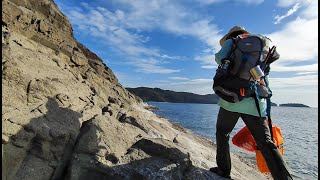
242,91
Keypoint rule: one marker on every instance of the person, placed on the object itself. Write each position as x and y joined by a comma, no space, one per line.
255,120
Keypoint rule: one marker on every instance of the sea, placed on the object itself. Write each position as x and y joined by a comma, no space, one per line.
299,127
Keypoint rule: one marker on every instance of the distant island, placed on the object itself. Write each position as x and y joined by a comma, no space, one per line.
274,104
160,95
293,105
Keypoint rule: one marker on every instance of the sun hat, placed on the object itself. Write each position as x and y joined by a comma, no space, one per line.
232,30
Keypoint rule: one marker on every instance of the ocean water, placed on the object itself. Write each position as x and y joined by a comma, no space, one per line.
299,127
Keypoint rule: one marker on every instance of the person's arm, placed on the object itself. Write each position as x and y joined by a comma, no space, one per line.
225,51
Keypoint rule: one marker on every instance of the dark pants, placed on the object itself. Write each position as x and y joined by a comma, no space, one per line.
261,134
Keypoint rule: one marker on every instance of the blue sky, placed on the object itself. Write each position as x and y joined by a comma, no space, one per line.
171,44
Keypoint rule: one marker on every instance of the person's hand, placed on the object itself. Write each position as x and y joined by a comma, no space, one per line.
262,82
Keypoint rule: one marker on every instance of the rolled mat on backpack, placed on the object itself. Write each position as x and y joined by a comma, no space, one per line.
244,140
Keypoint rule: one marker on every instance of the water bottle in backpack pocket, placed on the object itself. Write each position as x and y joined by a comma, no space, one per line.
223,70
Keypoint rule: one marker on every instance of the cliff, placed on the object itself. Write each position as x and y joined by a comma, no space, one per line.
160,95
65,116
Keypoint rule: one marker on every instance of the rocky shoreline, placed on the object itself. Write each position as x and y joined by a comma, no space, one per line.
65,116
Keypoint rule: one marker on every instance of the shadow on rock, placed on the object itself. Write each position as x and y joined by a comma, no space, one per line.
153,158
53,146
42,148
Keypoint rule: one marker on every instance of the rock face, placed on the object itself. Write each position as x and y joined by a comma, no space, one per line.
65,116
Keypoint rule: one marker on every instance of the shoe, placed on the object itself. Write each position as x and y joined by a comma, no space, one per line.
219,172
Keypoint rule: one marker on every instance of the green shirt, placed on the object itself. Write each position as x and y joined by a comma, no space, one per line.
247,105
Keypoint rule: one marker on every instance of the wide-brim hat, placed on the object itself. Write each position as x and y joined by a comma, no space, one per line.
232,30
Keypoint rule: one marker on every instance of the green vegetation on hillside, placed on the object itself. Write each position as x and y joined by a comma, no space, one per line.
293,105
159,95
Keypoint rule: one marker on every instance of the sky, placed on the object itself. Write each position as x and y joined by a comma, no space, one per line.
171,44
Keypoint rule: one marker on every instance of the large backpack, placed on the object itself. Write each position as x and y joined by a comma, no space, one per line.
236,84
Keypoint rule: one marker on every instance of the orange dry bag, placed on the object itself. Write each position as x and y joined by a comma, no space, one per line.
244,140
278,141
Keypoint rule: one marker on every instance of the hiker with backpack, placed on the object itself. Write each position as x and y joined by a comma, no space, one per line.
241,82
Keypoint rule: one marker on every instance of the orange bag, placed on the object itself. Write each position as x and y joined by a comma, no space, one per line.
244,140
278,140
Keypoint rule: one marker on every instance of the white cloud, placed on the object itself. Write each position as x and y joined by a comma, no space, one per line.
287,3
151,66
207,60
197,86
302,83
121,29
209,66
290,12
252,1
106,26
301,69
311,10
190,84
199,81
297,40
154,69
171,57
208,2
178,78
304,73
309,98
310,6
171,17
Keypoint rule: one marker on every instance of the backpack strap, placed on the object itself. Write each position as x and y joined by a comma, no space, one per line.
269,116
268,98
269,108
256,100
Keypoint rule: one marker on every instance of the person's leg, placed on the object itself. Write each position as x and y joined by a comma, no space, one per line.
260,131
225,123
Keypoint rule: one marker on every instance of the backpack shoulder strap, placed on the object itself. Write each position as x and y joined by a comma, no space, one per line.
234,46
256,100
269,116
